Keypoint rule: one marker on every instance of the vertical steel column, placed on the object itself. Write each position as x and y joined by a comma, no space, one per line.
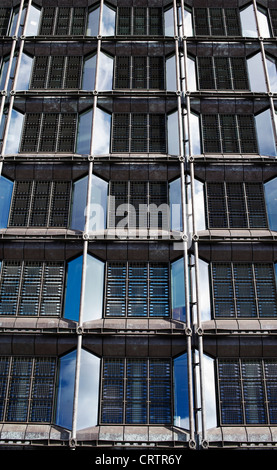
4,92
185,228
85,253
198,328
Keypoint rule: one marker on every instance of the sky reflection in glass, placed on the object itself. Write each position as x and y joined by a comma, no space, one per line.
6,189
98,204
79,202
89,69
84,133
94,289
178,298
64,403
73,289
88,390
265,134
181,397
32,21
175,205
270,188
14,133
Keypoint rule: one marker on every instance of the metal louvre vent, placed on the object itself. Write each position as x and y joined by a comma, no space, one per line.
56,72
31,288
229,133
247,391
136,391
139,72
27,389
145,203
244,290
137,290
49,132
4,20
40,203
62,21
139,21
273,17
216,22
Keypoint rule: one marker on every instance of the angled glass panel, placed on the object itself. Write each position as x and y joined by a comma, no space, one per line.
169,22
248,22
3,73
204,291
23,77
173,134
199,205
105,72
93,22
33,19
263,23
191,75
65,393
171,73
175,199
89,69
195,134
178,298
101,132
108,22
94,289
78,205
88,390
6,189
256,73
73,289
208,389
272,73
14,132
265,133
84,132
270,189
181,395
98,204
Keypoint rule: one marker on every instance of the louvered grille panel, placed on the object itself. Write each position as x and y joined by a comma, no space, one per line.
139,72
222,71
273,17
239,71
4,20
49,132
139,21
206,73
156,73
31,132
155,21
120,142
40,71
201,22
56,72
216,22
73,72
60,204
78,21
124,21
47,21
232,22
211,135
122,72
67,132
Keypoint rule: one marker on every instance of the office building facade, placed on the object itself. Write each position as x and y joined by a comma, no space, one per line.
138,224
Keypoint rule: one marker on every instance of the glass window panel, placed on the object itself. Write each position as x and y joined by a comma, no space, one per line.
108,21
89,69
248,22
101,132
105,72
256,73
169,22
23,78
79,202
263,24
6,189
204,291
199,205
272,73
88,390
175,204
14,132
271,202
98,204
73,289
32,21
94,289
4,69
84,132
195,134
65,393
265,134
173,134
181,397
191,75
209,391
93,22
178,298
171,73
188,30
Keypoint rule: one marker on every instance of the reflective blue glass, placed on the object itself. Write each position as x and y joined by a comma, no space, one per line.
6,189
175,205
178,299
84,133
181,397
65,393
94,289
73,289
98,204
88,79
270,189
79,202
88,390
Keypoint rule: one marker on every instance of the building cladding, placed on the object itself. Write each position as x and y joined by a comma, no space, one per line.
138,258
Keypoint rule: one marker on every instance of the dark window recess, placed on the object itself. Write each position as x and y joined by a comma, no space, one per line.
139,21
229,133
247,391
49,132
216,22
56,72
143,197
236,205
5,14
27,389
222,73
31,288
137,290
139,72
40,203
139,133
63,21
136,391
244,290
